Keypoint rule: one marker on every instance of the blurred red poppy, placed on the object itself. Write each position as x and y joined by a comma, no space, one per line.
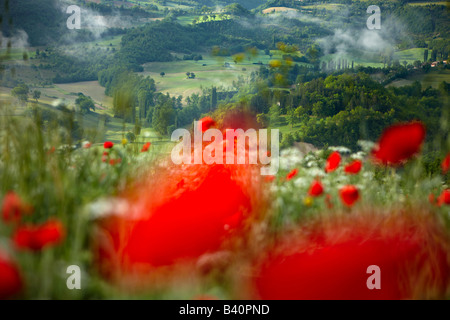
176,216
145,147
291,174
330,260
51,150
398,143
179,221
333,161
86,144
206,123
316,188
445,164
113,162
349,195
353,167
328,201
108,145
13,207
37,237
444,198
10,279
431,198
269,178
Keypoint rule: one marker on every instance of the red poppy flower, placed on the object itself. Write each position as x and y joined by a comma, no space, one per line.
445,164
333,162
316,188
180,184
13,207
177,215
145,147
444,198
349,195
113,162
354,167
51,150
166,225
432,198
37,237
269,178
330,260
108,145
398,143
86,144
291,174
328,201
10,279
206,123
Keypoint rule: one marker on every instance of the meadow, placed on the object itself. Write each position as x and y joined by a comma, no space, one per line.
90,199
211,71
93,205
370,59
433,79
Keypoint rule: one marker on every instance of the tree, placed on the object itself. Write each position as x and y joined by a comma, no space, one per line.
274,113
287,140
292,116
21,92
163,114
262,119
434,55
85,103
36,95
313,53
425,55
162,74
444,88
213,98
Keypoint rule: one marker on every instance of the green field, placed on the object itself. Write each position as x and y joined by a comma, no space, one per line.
370,58
426,3
359,60
326,6
432,79
113,42
410,55
93,123
16,54
88,88
209,72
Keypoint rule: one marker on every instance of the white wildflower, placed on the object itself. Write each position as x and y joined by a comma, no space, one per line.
108,206
340,149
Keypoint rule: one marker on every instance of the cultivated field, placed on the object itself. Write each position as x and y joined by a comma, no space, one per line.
432,79
372,59
277,9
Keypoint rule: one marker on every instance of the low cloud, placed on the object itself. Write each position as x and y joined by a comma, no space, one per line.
18,40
